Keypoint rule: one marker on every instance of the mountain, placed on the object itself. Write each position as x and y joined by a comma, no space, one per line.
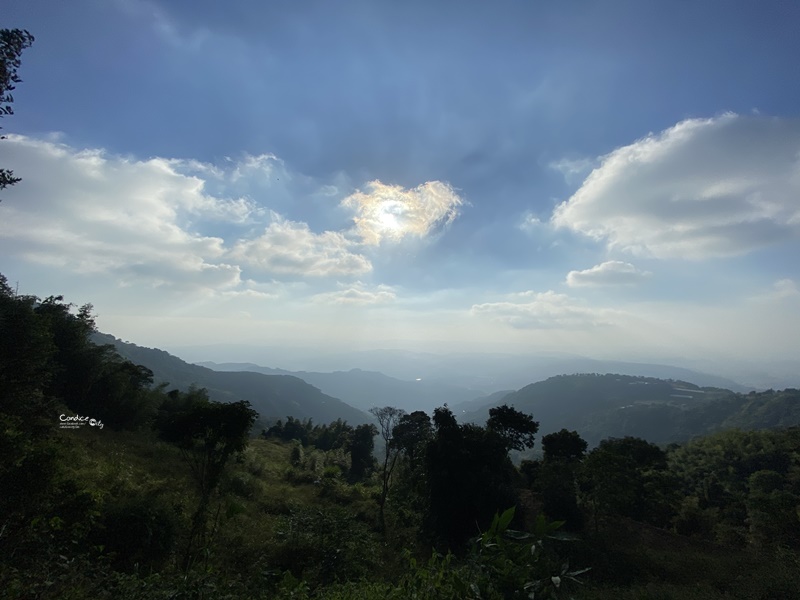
365,389
660,411
273,396
486,372
600,406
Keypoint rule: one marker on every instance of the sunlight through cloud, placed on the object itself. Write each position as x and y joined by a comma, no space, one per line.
390,212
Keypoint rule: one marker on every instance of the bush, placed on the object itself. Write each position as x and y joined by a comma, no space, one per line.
139,532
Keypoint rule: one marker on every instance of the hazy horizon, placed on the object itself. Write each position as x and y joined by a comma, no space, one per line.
442,364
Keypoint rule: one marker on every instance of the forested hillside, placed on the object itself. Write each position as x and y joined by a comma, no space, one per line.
116,488
273,396
661,411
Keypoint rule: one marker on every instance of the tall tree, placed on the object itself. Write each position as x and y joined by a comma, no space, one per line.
516,428
362,443
556,477
412,433
28,414
469,478
388,417
208,434
12,43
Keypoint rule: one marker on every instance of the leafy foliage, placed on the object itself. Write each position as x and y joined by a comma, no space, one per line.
12,43
565,445
516,428
361,447
469,478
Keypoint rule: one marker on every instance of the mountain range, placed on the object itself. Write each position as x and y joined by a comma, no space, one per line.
485,372
366,389
662,410
273,396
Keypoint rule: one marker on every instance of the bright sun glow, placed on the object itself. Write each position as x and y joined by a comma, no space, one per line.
388,220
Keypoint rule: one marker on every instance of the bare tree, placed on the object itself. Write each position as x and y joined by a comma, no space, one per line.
388,417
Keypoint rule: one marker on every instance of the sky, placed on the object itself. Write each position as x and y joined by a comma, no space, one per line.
615,180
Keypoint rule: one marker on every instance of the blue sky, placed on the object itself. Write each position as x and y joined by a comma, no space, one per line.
617,179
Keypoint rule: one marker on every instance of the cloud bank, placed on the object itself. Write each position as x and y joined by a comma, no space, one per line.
93,213
146,221
291,248
543,310
704,188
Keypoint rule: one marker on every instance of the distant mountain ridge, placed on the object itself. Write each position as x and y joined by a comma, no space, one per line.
365,389
485,372
274,396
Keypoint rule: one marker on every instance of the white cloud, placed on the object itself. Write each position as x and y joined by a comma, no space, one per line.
140,221
703,188
531,223
391,212
95,213
264,166
544,310
573,170
786,288
291,248
612,272
357,294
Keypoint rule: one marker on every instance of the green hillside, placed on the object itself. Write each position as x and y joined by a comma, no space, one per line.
273,396
661,411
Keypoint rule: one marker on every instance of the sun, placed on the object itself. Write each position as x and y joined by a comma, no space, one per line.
389,219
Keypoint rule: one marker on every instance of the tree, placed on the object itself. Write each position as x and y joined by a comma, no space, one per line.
388,417
412,433
411,437
12,43
361,446
208,434
564,444
468,476
628,477
515,427
28,414
773,513
556,477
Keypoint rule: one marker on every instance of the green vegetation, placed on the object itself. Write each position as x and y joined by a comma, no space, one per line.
661,411
114,487
12,43
273,396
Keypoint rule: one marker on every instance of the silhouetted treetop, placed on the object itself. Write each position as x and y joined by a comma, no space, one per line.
516,428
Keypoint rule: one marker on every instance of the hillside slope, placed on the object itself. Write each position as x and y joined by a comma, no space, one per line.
599,406
273,396
365,389
660,411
